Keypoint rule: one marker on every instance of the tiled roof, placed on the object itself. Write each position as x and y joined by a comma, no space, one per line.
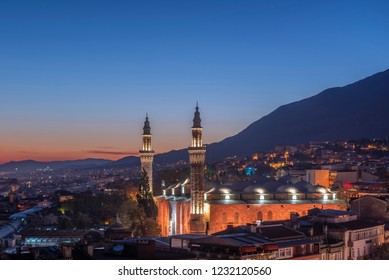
355,225
280,232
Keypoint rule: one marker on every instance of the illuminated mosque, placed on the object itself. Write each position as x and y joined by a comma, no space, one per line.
198,206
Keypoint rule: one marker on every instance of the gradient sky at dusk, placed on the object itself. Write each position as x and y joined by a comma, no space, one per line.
77,77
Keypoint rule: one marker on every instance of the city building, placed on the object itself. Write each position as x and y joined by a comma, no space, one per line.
371,208
360,238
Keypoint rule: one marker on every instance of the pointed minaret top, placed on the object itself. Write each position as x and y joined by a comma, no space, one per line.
146,127
197,119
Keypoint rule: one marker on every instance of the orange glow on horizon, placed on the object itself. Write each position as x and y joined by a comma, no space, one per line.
52,155
57,156
40,143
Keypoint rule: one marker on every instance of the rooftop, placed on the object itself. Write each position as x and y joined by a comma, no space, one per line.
355,225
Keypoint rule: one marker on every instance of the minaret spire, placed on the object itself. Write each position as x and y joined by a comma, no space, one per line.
147,154
146,127
197,119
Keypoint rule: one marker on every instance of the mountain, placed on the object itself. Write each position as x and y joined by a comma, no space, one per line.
32,165
358,110
123,162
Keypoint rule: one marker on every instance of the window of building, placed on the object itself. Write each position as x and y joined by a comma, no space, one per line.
259,216
288,252
285,252
224,218
236,218
270,216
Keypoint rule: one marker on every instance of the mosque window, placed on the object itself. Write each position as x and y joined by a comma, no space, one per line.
270,215
259,216
224,218
236,218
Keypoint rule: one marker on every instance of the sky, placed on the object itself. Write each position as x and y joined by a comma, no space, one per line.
78,77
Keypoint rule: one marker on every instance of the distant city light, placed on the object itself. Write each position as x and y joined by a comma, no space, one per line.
250,171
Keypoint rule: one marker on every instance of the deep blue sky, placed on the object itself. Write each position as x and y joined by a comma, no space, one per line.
77,77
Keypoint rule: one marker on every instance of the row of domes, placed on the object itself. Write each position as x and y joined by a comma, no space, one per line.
267,187
261,189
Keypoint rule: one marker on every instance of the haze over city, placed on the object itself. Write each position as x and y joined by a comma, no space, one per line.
78,77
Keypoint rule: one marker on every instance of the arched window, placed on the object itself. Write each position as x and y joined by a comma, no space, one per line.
224,218
259,216
236,218
270,215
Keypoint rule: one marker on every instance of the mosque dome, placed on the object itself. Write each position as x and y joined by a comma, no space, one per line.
255,189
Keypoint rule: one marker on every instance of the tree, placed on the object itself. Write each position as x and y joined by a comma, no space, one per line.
145,198
64,222
382,252
82,221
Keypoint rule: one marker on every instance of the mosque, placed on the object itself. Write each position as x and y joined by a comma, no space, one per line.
198,206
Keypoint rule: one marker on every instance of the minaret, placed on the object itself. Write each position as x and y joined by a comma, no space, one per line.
147,154
196,159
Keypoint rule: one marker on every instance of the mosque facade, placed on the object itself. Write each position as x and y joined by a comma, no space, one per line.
199,206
